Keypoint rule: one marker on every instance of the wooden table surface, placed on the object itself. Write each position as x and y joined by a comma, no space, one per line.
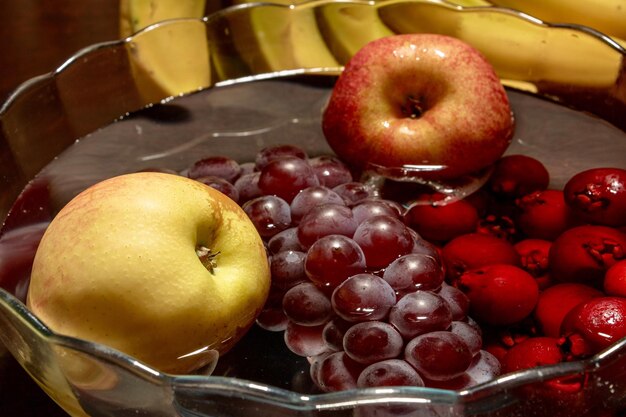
36,36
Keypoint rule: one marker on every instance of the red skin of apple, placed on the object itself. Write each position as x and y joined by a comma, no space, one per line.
584,253
474,250
557,301
419,99
615,279
499,294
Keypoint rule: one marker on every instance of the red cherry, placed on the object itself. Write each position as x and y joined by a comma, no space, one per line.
544,214
598,196
499,294
532,352
474,250
584,253
436,221
615,279
595,324
555,302
517,175
534,257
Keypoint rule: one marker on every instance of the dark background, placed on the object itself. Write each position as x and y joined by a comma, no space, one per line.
36,36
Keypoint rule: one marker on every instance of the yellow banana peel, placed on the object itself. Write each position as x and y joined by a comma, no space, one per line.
343,27
607,16
280,38
165,63
518,49
138,14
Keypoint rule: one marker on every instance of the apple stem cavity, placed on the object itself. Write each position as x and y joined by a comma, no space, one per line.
414,107
207,257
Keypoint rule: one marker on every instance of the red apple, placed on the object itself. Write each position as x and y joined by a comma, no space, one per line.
422,100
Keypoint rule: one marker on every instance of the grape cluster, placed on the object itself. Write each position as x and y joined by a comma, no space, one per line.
354,289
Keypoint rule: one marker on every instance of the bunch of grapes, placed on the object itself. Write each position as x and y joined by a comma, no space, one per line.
354,289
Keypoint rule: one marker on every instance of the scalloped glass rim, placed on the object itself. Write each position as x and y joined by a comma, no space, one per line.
11,308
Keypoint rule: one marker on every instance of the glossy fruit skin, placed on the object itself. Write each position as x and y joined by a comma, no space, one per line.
533,352
598,196
517,175
584,253
499,294
441,222
544,214
594,325
386,93
615,279
557,301
534,259
474,250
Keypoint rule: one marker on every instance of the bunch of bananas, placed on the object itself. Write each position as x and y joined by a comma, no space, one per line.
321,34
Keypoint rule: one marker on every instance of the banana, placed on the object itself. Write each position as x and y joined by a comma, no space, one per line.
166,62
138,14
607,16
342,26
520,50
279,37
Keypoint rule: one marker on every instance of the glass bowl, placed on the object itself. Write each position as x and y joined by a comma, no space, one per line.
145,102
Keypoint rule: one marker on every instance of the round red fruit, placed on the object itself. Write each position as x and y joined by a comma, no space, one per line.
517,175
594,325
533,352
555,302
615,279
544,214
393,105
474,250
285,177
499,294
584,253
534,257
598,196
437,221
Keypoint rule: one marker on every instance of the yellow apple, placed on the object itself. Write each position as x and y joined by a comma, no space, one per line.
158,266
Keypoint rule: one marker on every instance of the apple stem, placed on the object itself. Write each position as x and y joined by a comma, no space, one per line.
207,257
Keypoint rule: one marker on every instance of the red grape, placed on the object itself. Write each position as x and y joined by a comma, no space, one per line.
269,214
332,259
330,171
420,312
363,297
287,269
272,153
307,305
311,197
286,177
218,166
372,341
324,220
414,272
383,239
439,355
389,373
